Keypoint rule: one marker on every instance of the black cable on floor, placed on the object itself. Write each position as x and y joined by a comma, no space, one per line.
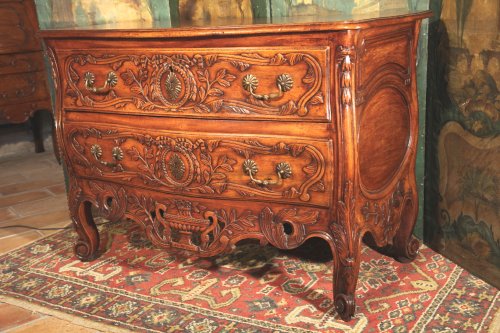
35,228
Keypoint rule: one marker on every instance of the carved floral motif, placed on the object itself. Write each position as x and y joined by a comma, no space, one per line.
196,165
385,214
189,225
191,83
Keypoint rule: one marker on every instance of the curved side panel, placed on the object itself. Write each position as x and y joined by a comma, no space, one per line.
384,136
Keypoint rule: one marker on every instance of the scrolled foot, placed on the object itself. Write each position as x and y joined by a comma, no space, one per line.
345,306
85,251
87,245
409,252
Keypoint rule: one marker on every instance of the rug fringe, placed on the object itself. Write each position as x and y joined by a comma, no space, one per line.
88,323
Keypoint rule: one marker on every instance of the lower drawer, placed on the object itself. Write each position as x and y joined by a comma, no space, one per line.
270,168
21,62
23,87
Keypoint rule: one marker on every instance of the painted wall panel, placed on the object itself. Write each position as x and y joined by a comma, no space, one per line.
463,150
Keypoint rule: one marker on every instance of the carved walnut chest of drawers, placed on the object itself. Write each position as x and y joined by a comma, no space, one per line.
23,83
210,135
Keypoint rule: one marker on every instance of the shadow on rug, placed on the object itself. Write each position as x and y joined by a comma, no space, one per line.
138,287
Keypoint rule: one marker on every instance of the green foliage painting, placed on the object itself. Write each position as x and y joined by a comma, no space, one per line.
463,143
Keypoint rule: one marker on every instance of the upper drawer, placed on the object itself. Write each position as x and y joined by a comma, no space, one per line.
21,62
237,83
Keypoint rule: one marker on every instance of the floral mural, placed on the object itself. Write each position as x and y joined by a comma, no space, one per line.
463,150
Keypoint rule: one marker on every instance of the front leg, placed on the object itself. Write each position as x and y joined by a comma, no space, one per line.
346,256
87,245
346,237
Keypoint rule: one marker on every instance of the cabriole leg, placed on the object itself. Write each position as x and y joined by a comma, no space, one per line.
345,277
405,246
87,245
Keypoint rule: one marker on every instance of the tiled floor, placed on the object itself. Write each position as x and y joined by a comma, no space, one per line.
32,193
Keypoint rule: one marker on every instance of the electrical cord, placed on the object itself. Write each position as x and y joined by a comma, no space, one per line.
41,229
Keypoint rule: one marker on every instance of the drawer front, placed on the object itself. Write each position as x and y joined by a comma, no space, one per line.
18,88
21,62
283,169
249,83
16,30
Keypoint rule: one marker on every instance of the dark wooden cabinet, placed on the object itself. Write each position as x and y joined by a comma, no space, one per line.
23,83
206,136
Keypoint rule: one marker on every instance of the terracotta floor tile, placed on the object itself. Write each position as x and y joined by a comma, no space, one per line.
52,325
10,179
57,189
6,214
11,243
41,220
29,185
59,226
50,204
11,316
23,167
57,219
15,199
45,175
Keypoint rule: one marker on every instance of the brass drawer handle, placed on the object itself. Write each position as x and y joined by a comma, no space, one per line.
116,153
283,81
111,81
283,170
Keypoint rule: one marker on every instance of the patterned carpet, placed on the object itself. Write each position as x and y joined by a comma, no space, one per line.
137,287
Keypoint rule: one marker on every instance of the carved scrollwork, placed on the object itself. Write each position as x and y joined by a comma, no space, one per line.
187,83
199,165
385,214
286,230
188,225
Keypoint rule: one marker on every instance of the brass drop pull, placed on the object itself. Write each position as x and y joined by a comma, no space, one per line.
283,81
283,170
111,81
116,153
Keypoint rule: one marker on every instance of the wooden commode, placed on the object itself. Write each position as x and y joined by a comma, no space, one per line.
207,135
23,78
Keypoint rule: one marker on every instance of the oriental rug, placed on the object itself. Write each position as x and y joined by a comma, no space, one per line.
135,286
